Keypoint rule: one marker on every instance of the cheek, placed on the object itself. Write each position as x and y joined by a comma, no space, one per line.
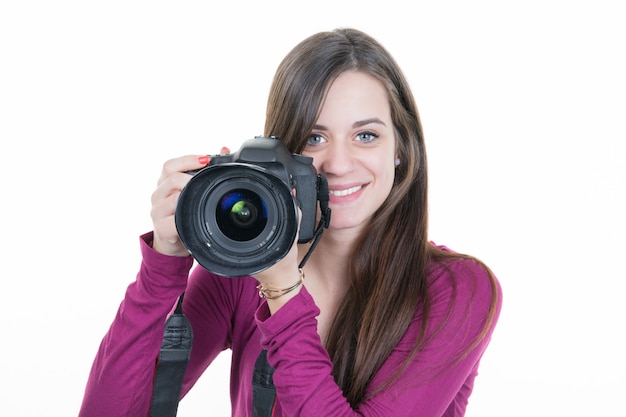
384,171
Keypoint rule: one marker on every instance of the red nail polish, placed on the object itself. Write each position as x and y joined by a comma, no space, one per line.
204,159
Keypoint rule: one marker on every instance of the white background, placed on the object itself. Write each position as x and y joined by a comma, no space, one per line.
523,106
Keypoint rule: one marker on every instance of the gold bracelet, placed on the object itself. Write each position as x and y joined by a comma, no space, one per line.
270,294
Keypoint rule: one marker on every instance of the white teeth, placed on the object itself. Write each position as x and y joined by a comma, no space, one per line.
347,191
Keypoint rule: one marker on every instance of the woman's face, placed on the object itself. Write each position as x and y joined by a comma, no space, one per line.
353,143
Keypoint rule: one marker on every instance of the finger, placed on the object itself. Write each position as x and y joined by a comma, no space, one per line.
182,164
164,201
170,185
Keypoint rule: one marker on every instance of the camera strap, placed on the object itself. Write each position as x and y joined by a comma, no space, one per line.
171,364
263,390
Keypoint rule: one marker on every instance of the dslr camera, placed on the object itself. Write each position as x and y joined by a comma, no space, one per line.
239,215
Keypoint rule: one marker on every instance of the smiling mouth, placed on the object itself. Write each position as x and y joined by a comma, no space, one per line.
347,191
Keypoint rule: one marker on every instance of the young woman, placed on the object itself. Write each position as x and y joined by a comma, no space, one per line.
386,323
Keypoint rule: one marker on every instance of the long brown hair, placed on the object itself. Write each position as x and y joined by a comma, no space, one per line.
384,292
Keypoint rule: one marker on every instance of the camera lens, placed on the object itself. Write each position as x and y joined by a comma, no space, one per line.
236,219
241,215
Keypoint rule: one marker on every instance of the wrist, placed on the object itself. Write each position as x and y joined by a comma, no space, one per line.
169,248
271,293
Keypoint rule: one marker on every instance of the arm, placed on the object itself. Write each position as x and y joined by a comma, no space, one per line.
120,382
435,380
221,312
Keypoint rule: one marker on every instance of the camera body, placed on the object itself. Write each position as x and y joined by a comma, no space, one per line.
238,215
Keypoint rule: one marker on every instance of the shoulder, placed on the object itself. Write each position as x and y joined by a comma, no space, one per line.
457,316
466,273
462,286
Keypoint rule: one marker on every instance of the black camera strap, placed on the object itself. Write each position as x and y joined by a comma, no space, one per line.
178,337
172,364
263,390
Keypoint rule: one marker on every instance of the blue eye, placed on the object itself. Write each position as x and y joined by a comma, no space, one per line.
366,137
315,140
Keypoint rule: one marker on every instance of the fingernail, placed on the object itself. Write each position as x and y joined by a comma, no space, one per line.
225,150
204,159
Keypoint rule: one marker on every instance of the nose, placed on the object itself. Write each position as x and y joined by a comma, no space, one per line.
337,159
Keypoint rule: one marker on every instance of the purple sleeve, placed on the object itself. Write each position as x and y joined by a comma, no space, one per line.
221,312
120,381
437,382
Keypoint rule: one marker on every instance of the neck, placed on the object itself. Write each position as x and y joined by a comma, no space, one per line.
330,258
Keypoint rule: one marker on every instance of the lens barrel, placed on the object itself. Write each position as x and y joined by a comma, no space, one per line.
236,219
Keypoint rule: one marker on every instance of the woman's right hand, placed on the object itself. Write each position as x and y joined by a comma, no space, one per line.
173,179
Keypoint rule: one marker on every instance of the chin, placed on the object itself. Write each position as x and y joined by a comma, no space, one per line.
342,222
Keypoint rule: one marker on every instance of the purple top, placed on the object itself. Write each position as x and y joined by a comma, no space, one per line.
227,313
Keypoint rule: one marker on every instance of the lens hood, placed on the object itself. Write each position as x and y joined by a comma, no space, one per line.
236,219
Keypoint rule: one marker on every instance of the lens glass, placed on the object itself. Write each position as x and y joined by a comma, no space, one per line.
241,215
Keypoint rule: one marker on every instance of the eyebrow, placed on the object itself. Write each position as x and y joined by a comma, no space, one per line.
356,124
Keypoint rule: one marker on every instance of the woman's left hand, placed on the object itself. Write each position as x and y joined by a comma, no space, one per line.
284,274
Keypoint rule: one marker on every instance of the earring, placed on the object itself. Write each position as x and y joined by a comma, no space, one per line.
397,161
